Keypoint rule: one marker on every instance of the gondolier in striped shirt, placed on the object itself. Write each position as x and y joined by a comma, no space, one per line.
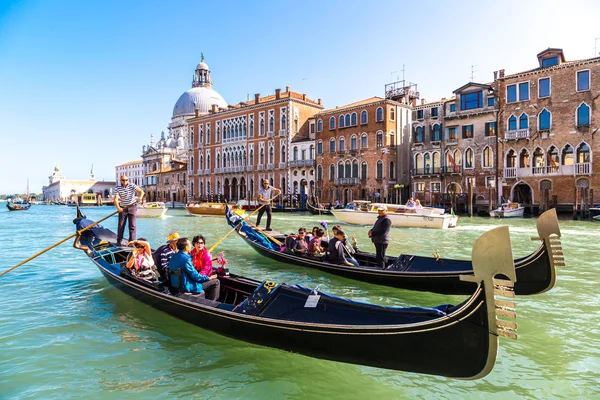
126,202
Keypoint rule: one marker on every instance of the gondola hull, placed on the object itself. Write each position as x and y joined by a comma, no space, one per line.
536,273
18,207
453,341
316,210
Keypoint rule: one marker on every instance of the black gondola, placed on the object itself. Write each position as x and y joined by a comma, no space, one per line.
455,341
317,210
536,273
17,207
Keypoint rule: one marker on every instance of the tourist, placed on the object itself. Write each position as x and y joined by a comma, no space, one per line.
410,203
418,204
201,257
300,245
349,250
140,262
337,254
163,254
314,245
380,235
266,194
126,202
191,281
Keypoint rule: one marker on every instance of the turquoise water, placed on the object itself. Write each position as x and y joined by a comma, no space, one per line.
65,332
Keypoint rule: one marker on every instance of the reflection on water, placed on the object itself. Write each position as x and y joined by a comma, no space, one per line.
64,331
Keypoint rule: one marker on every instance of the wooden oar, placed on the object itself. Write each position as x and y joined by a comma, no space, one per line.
243,219
59,243
264,233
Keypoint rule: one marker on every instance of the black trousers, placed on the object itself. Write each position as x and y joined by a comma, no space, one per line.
380,259
212,289
266,208
129,214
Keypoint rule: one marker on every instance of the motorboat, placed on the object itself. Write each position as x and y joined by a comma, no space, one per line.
152,210
508,210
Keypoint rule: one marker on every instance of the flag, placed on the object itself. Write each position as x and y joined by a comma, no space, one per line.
451,159
551,160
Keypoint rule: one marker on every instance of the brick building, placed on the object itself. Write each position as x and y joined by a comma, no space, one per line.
363,151
547,122
233,148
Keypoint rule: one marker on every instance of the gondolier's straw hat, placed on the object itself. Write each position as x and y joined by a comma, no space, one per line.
382,208
173,237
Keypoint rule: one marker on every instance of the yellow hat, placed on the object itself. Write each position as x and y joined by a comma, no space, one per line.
173,237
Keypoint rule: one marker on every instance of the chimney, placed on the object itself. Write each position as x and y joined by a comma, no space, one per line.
213,108
422,101
414,102
287,89
501,73
277,94
303,96
257,98
495,75
319,101
197,112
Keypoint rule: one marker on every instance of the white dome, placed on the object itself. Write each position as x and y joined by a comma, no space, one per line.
204,98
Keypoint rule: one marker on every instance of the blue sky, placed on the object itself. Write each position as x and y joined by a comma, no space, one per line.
87,82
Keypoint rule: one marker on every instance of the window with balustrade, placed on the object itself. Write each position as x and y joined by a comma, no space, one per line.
512,123
524,160
553,160
347,169
355,169
340,168
538,158
524,121
295,153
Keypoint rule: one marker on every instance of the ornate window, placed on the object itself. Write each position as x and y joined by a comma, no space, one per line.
379,172
379,116
363,117
488,157
583,115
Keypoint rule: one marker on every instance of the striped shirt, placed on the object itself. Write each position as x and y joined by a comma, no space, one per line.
126,194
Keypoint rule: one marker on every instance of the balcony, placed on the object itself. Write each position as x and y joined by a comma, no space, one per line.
207,171
270,134
260,167
218,170
281,165
353,152
346,181
302,163
426,171
249,168
341,152
200,171
518,134
583,168
510,173
270,167
282,133
451,169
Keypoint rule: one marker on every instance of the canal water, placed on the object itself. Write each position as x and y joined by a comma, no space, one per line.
65,332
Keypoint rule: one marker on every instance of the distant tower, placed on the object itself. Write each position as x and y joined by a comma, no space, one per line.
202,75
56,176
92,178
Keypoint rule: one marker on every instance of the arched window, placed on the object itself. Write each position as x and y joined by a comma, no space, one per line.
282,158
427,163
469,158
271,155
567,155
218,160
538,158
419,134
488,157
347,123
341,124
457,158
512,123
583,115
583,153
261,156
379,172
364,170
331,123
419,162
524,161
332,145
283,121
353,119
553,160
379,116
201,166
319,172
392,139
271,123
437,133
355,169
524,121
545,120
435,162
392,114
392,171
252,157
363,141
340,167
320,147
262,127
319,125
348,169
353,142
312,152
295,153
511,159
363,117
342,144
379,139
331,172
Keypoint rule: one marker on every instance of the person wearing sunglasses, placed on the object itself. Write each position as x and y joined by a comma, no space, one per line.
140,262
266,194
201,258
125,200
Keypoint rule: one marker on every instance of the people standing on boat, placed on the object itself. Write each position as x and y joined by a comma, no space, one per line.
201,257
349,251
265,197
380,235
126,202
410,203
337,253
191,281
140,262
163,254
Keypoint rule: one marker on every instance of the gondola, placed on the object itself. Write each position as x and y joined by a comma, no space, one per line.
536,273
454,341
18,207
317,210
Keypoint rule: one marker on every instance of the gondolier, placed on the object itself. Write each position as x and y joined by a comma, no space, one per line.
380,235
265,196
126,202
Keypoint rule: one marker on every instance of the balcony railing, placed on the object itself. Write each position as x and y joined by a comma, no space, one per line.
249,168
341,151
281,165
207,171
518,134
510,172
282,133
346,181
302,163
270,134
427,171
451,169
583,168
260,167
270,167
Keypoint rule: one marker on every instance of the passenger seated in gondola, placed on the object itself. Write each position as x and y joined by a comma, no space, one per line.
349,250
201,258
336,252
140,262
191,281
314,245
300,245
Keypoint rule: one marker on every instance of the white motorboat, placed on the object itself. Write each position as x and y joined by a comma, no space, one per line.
364,213
152,210
508,210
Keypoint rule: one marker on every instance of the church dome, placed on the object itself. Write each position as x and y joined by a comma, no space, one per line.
204,97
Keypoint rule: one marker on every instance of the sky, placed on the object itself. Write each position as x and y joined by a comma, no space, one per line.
88,82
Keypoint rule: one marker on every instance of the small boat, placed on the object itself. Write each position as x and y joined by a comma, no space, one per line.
595,212
17,207
365,213
536,273
317,210
508,210
152,210
596,217
458,341
206,208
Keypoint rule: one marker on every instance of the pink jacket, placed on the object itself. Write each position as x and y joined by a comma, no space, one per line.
202,261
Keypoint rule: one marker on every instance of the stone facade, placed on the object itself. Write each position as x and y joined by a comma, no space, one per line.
134,170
